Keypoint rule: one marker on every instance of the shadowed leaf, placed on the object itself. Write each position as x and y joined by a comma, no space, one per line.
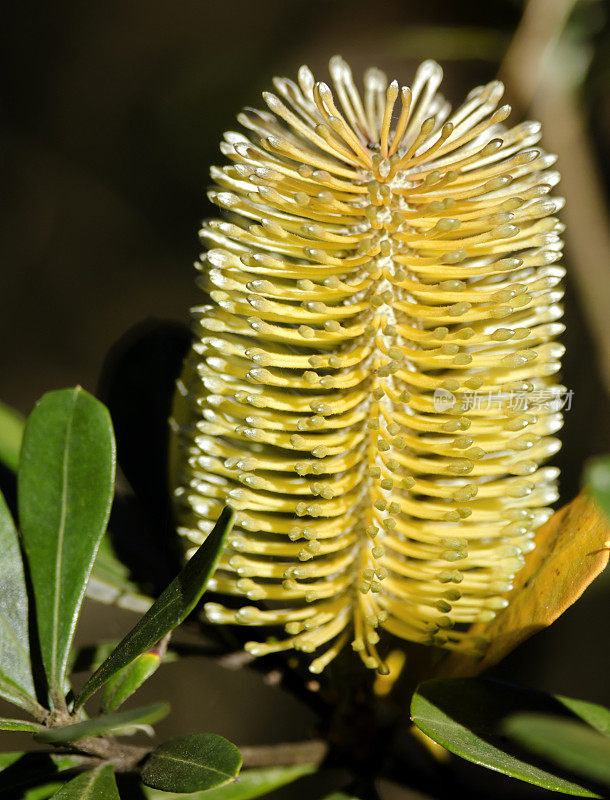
339,796
192,763
572,548
467,715
168,611
65,488
110,582
26,775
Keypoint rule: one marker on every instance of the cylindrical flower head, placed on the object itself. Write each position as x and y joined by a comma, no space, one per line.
371,384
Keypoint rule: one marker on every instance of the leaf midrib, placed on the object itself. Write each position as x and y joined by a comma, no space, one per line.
60,543
172,757
94,775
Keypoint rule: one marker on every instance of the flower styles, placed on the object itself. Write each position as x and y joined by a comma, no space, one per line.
361,388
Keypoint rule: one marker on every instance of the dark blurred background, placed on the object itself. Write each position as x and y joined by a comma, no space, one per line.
112,114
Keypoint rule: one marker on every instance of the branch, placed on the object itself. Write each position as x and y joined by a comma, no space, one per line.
539,77
285,755
537,34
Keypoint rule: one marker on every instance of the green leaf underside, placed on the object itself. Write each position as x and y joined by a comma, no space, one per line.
106,723
249,784
192,763
597,479
571,745
465,715
65,489
11,433
99,784
16,682
128,680
18,725
168,611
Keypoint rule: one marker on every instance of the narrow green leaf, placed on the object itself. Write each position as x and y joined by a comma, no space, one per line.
168,611
596,716
128,680
597,480
99,784
192,763
7,724
11,433
250,783
16,682
466,715
65,488
104,724
571,745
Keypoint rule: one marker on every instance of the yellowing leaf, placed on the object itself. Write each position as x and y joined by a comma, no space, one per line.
572,548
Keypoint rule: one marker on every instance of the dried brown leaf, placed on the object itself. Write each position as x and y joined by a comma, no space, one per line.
572,548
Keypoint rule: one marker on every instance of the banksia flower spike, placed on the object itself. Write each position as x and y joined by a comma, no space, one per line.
361,388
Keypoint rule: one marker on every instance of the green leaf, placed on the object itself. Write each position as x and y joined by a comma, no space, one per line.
18,725
104,724
11,434
192,763
99,784
571,745
16,681
168,611
250,783
597,480
466,715
128,680
65,488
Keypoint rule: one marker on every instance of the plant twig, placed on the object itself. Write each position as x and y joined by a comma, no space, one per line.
539,81
127,757
285,754
124,757
537,34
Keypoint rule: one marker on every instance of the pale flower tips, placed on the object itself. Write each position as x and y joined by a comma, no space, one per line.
367,383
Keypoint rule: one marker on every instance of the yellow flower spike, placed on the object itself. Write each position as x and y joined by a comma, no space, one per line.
369,385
